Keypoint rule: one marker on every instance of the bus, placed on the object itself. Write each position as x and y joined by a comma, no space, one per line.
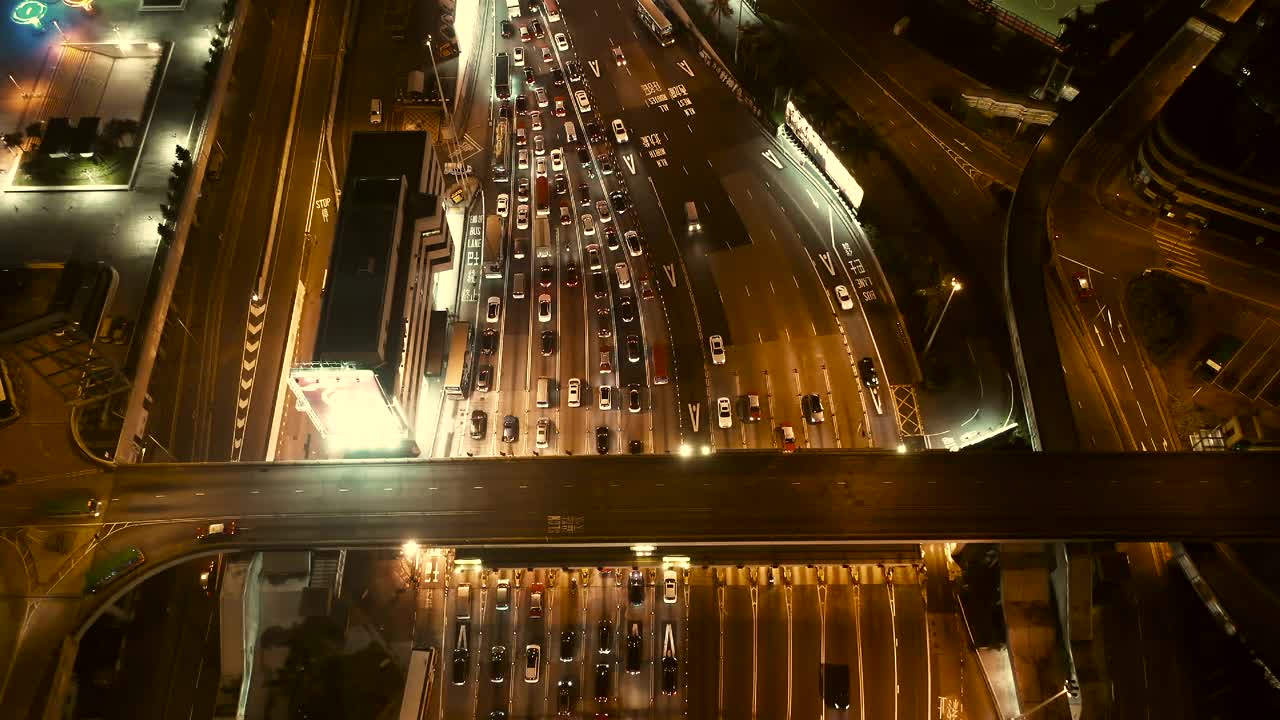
553,10
501,152
542,198
81,504
657,23
502,76
418,683
660,376
458,373
493,247
120,563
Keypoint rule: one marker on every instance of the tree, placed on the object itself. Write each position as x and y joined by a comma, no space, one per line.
718,10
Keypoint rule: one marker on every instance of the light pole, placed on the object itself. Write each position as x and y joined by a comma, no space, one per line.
1065,689
955,285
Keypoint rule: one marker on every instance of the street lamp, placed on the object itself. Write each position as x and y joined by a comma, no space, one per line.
955,285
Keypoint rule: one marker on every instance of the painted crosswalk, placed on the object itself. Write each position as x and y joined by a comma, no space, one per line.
1176,244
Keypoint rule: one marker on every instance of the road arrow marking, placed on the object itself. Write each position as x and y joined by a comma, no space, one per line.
694,411
684,65
631,163
825,257
253,346
768,155
670,270
595,66
256,310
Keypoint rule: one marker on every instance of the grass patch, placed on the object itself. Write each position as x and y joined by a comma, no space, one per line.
113,167
1159,308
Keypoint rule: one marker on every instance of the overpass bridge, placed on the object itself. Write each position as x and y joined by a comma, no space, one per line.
708,508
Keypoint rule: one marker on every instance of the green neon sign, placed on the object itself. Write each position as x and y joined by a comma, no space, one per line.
29,12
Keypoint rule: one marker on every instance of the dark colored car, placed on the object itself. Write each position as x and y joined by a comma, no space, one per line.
594,132
522,104
545,276
484,378
619,201
606,164
626,309
548,342
564,698
504,110
670,675
536,28
598,285
510,429
611,237
572,276
604,637
530,77
497,664
567,642
508,30
522,189
584,156
604,682
633,398
479,422
562,185
633,348
602,440
635,447
489,341
635,588
557,76
867,371
459,666
634,649
575,70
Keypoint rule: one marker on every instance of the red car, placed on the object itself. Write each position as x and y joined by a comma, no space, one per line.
1083,288
788,435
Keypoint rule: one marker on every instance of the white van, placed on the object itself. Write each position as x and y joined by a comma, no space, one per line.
517,286
624,275
575,392
375,111
570,133
691,214
462,602
543,396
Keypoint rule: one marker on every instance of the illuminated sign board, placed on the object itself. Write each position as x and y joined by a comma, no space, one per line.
29,12
86,5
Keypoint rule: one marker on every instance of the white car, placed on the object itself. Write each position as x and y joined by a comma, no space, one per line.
584,102
724,412
620,131
522,217
575,392
717,349
606,397
544,308
669,586
535,120
623,274
494,309
539,147
542,98
593,255
540,167
504,204
557,160
843,298
588,224
522,159
632,240
543,432
517,56
562,42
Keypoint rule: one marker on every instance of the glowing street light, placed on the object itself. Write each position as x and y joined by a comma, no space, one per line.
955,286
685,451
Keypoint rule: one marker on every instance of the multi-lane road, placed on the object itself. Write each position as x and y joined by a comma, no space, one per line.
760,272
